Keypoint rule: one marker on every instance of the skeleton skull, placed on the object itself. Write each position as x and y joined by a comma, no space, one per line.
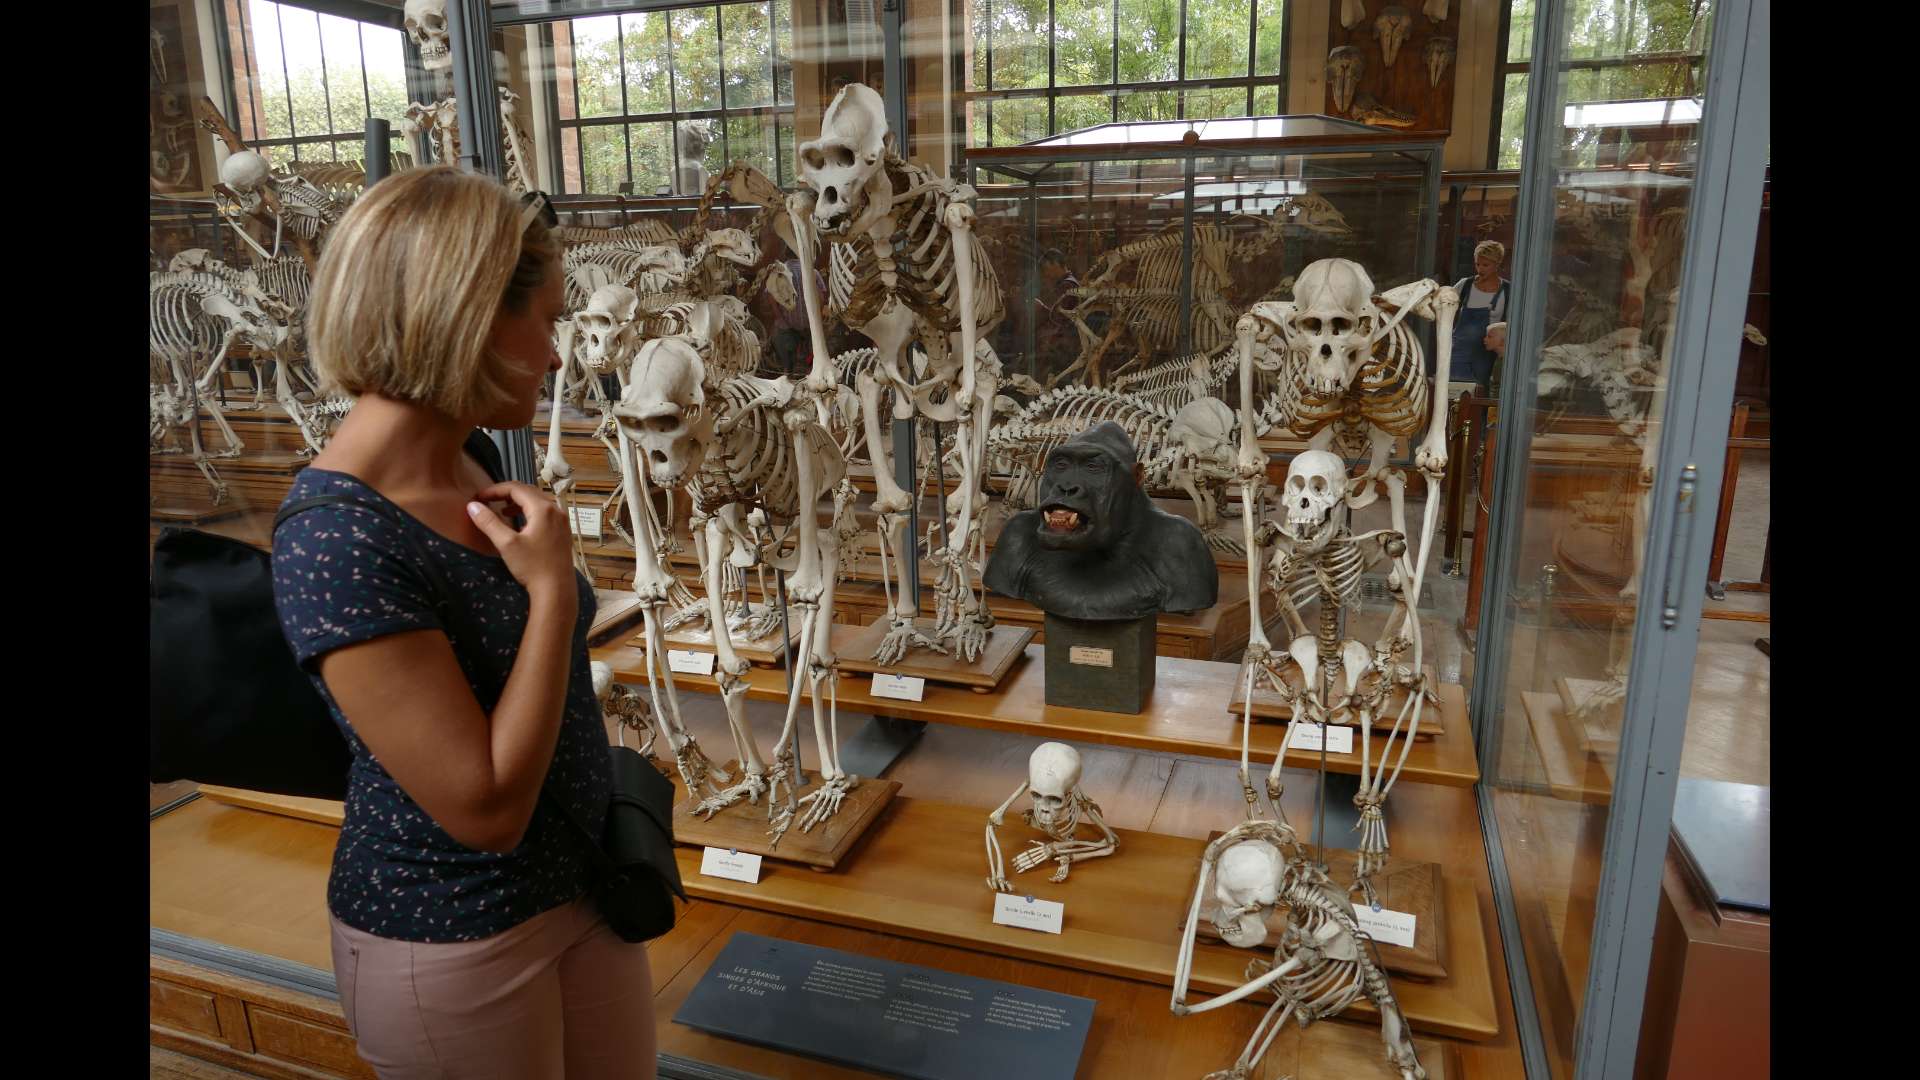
1246,885
1053,773
602,680
663,410
1439,57
1352,13
733,245
1391,27
1345,65
1205,430
840,164
245,171
1315,496
1314,213
606,326
426,23
1333,320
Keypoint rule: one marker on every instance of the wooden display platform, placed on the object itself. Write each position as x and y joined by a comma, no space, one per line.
743,827
614,611
193,515
1186,715
698,637
1004,646
1433,724
922,874
1572,772
321,811
1404,885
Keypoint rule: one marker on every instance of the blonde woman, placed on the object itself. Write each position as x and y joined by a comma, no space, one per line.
464,943
1483,302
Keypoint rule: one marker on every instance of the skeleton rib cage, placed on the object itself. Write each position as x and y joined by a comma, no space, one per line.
923,266
1391,391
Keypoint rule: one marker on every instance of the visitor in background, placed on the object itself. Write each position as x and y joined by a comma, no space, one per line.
1496,343
1483,302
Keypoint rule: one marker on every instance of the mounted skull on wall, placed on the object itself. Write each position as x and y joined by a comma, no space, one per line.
1333,320
426,24
840,165
1391,26
1345,65
1315,495
663,409
1439,57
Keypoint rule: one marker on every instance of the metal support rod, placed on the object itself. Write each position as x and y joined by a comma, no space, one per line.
470,35
379,151
904,460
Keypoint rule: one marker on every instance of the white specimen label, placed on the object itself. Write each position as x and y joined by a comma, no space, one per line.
899,687
1386,926
689,663
1306,736
1028,913
585,521
1090,656
733,865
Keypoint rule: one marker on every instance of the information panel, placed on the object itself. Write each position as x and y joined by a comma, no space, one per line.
886,1016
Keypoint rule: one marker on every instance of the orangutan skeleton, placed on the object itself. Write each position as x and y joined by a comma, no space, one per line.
742,444
1053,777
1349,368
911,275
1322,962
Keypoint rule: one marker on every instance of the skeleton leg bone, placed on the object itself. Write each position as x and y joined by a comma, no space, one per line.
730,669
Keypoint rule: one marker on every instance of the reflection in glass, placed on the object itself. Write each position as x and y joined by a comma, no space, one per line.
1083,42
696,59
1149,40
603,154
652,159
648,72
596,66
748,60
1216,39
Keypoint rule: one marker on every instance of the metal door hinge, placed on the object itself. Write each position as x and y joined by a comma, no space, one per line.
1682,535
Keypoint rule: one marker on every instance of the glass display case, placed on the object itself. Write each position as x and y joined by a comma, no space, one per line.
1129,245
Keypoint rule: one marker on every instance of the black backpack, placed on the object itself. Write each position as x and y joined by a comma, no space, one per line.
228,704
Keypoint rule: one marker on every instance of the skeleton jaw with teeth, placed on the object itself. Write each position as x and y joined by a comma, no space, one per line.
842,165
426,24
1315,497
663,409
1052,774
1333,323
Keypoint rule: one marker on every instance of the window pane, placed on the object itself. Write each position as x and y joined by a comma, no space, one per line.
596,69
1159,105
980,16
386,73
645,41
1513,121
1074,111
748,55
1083,43
267,64
277,156
783,51
605,160
1220,101
341,40
696,60
1597,29
784,133
1149,41
652,157
300,40
749,139
1266,100
1019,44
982,130
1018,121
1520,31
570,162
1217,40
1267,53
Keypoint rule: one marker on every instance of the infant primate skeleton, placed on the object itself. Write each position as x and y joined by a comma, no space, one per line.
1322,962
905,271
1352,375
1053,777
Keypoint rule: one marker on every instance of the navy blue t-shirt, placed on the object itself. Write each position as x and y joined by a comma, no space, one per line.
343,575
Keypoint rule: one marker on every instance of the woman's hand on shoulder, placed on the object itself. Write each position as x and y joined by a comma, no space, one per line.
539,555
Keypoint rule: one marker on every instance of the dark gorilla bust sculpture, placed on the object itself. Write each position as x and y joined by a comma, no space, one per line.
1097,548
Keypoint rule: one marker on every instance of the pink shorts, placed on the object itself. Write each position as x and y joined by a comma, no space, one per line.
559,996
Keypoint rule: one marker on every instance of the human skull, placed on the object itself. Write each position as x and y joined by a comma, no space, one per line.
1333,318
1053,772
426,23
1246,885
1314,494
1344,68
663,409
1391,27
840,163
1439,56
245,171
606,326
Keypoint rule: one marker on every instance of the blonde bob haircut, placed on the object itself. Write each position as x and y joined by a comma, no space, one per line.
410,284
1491,247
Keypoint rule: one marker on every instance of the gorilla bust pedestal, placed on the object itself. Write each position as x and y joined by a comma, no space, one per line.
1102,561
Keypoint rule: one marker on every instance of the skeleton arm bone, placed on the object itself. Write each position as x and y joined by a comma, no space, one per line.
555,471
799,209
996,867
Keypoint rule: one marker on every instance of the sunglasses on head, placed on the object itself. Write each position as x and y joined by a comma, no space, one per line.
536,204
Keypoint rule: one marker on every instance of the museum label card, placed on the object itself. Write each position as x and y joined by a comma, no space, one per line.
899,687
730,864
689,663
1028,913
1088,656
585,521
885,1016
1306,736
1386,926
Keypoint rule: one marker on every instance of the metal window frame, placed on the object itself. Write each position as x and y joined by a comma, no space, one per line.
386,18
1703,361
